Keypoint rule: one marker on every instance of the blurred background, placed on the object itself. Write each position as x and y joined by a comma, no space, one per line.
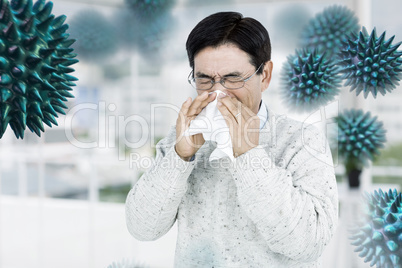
62,195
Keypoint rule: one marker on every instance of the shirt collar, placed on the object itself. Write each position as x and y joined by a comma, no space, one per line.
262,114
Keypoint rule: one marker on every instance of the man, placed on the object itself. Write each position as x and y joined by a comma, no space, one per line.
276,204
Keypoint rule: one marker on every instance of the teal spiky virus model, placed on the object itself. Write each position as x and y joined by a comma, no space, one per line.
309,80
370,63
146,36
379,237
95,34
327,29
359,137
149,9
34,63
125,263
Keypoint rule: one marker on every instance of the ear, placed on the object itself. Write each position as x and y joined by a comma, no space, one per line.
266,75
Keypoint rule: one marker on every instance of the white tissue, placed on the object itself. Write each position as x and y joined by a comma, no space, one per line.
213,127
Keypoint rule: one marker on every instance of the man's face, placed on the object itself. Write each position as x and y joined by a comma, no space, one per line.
228,60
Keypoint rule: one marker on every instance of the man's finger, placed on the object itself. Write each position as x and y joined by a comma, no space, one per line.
233,105
185,106
227,115
197,103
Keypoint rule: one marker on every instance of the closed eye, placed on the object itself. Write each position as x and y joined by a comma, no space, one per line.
203,81
233,78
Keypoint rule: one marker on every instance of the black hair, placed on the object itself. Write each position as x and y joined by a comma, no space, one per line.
221,28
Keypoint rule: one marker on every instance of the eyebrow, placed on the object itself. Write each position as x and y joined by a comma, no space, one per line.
202,75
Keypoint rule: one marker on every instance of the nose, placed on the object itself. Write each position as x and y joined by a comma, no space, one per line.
219,93
218,85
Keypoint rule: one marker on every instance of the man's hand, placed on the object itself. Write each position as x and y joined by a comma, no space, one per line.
187,146
244,125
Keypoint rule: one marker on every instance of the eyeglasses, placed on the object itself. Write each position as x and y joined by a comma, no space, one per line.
229,82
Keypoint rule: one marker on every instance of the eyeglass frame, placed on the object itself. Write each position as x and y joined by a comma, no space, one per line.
222,81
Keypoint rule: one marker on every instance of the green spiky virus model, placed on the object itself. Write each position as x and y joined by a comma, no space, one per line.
146,37
149,9
35,56
96,37
379,237
143,25
327,29
359,138
370,63
125,263
309,80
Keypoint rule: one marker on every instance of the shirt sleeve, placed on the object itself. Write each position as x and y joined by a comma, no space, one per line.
293,203
152,204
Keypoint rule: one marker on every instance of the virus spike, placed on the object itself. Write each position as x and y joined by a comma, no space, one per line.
30,43
28,25
59,110
19,88
21,103
4,110
383,204
59,103
392,246
377,236
21,119
47,69
46,52
55,42
391,218
44,25
32,61
11,33
394,208
58,21
395,259
66,94
45,11
36,109
57,32
17,128
378,222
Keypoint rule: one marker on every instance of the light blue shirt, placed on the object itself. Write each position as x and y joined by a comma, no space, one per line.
263,114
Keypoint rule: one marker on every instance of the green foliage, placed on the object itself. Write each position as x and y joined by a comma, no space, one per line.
395,180
390,156
114,193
